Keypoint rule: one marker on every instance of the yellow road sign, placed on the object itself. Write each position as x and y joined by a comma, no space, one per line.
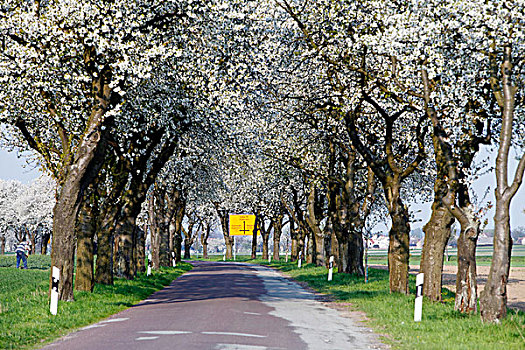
241,225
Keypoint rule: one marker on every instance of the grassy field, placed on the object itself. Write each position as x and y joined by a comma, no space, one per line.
25,321
392,314
483,256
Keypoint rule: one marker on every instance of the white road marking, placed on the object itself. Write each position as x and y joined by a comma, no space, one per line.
165,332
239,347
147,338
115,320
235,334
93,326
252,313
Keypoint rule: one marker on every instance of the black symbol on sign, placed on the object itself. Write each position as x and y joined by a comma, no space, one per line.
245,230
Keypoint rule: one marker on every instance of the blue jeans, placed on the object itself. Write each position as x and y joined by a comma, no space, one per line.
20,255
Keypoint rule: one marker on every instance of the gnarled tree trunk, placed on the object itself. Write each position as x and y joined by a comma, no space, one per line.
86,228
399,236
493,299
265,235
466,284
46,236
228,241
437,233
204,240
277,231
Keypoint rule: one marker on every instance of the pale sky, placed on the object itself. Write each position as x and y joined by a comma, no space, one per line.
11,167
14,168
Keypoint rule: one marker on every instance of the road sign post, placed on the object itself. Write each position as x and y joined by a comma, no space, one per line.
331,268
53,307
418,309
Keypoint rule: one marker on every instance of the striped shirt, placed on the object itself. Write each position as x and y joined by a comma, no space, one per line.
22,247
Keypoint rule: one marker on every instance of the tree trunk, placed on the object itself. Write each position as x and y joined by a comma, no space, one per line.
155,233
294,237
204,241
466,284
84,278
319,250
265,242
187,246
83,168
228,241
125,229
33,242
276,244
493,299
316,238
45,240
437,234
277,232
344,254
141,250
104,269
178,218
2,245
437,229
164,247
63,249
355,254
310,248
399,240
254,236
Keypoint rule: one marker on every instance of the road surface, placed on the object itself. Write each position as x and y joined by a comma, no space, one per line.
226,306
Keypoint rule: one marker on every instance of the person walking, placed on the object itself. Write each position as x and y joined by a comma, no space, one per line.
22,250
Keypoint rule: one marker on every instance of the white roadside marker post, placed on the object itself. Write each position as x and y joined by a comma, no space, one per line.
331,268
224,255
150,263
299,263
173,261
269,258
419,297
55,278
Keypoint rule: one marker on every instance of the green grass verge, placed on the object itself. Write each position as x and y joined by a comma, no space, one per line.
36,261
25,321
392,314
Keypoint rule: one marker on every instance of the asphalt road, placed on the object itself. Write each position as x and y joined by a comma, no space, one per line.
225,306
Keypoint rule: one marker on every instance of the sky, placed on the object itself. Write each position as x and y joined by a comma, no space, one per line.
14,168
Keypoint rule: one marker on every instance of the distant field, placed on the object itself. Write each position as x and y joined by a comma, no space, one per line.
483,256
517,250
379,256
